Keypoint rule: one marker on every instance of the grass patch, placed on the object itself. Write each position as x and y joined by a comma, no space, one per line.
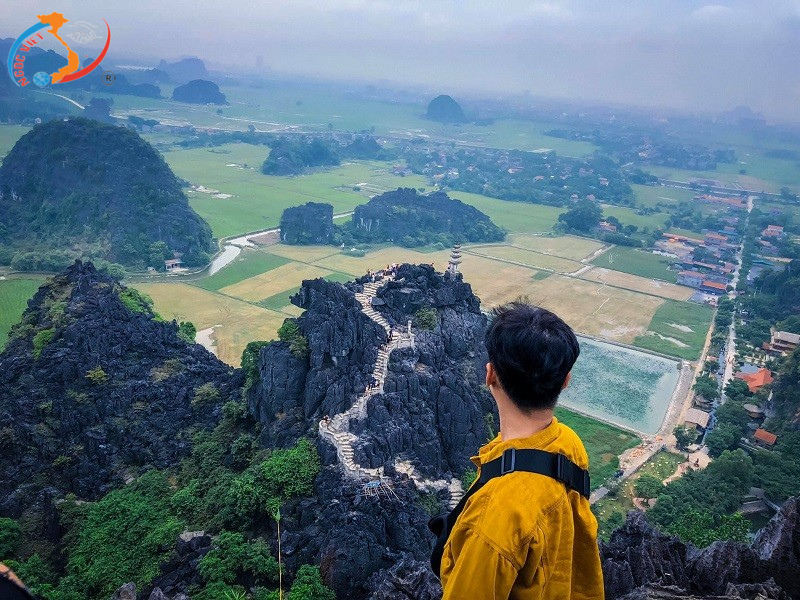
628,216
248,264
636,262
603,442
651,196
696,317
514,217
14,296
278,301
539,275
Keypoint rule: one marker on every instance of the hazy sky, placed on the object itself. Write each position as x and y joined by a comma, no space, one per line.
676,53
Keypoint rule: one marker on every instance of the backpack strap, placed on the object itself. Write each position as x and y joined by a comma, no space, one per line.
557,466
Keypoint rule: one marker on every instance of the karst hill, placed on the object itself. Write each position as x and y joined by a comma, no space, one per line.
78,188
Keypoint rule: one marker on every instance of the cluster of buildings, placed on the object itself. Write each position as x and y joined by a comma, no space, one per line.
781,343
705,264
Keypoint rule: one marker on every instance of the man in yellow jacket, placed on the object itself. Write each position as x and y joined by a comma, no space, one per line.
524,535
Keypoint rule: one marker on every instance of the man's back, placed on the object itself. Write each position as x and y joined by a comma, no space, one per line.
523,535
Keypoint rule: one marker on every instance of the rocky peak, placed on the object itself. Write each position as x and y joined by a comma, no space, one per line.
94,386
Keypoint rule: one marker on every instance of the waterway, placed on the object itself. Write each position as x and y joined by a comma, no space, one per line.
621,385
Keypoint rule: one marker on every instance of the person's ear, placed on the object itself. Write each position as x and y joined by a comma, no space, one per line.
491,376
566,380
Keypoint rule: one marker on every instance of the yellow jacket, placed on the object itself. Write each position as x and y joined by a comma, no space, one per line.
523,535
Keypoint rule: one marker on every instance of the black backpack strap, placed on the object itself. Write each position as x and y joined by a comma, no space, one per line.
557,466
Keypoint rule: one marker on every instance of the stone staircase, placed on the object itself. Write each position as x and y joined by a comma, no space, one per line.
337,429
454,486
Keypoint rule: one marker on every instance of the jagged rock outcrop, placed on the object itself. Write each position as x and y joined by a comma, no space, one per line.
431,414
93,390
641,562
180,571
408,579
310,223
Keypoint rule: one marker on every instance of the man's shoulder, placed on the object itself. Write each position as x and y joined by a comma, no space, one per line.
570,444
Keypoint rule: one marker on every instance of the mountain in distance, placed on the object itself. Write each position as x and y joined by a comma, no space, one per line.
80,188
199,91
445,110
184,70
310,223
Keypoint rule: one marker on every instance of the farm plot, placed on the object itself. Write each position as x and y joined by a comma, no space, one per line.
636,262
566,246
678,329
280,279
236,322
14,296
594,308
527,258
638,284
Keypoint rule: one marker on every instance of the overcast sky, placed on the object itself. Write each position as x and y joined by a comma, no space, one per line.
674,53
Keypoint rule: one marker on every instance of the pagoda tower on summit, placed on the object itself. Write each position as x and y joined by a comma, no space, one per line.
455,259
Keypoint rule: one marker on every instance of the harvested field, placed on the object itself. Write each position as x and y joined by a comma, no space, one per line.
638,284
565,246
285,277
534,260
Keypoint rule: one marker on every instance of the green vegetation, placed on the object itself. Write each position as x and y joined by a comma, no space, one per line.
97,375
187,331
290,333
206,395
285,475
233,557
583,217
250,362
648,486
40,340
281,300
10,537
426,318
611,510
636,262
698,507
123,537
308,585
292,157
14,296
410,219
136,301
249,264
684,314
603,442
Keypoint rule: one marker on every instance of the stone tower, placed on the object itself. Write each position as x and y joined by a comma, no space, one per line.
455,259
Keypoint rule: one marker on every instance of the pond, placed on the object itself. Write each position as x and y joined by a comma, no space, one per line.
621,385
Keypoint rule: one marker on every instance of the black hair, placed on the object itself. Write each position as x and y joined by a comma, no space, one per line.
532,351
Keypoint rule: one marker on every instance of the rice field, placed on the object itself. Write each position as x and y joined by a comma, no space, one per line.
566,246
637,386
236,322
678,329
593,308
637,262
650,196
14,296
248,264
527,258
604,443
628,216
275,281
638,284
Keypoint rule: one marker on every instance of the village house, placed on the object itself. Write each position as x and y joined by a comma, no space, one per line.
691,278
773,231
697,418
713,287
755,381
781,342
173,264
606,226
764,438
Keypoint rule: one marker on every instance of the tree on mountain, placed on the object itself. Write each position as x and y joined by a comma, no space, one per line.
584,216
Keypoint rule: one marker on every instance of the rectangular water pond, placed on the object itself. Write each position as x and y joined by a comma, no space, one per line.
621,385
